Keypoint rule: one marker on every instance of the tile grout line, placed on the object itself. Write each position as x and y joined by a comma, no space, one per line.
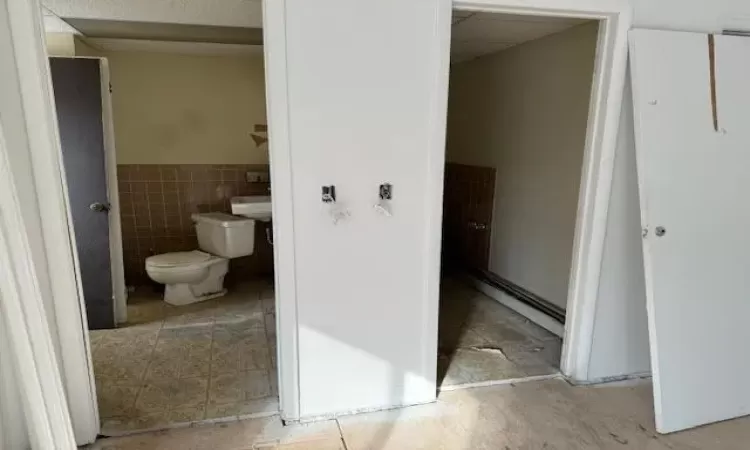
506,382
142,378
341,434
269,360
209,377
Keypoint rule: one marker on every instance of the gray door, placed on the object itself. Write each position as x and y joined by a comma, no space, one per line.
77,89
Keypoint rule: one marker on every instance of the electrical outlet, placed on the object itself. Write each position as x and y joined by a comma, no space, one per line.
253,177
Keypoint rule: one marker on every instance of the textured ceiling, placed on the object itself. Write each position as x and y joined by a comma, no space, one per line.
221,13
96,28
475,34
240,22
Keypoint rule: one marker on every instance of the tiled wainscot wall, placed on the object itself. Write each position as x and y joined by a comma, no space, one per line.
156,204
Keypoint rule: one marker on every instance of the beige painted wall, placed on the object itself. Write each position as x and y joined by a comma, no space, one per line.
187,109
60,44
524,111
181,109
84,49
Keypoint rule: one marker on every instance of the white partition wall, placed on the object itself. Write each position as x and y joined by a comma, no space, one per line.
367,88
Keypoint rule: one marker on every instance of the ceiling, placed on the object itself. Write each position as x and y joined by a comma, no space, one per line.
238,22
474,34
174,32
218,13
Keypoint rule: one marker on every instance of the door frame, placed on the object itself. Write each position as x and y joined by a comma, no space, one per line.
33,203
280,162
29,60
117,263
31,349
598,161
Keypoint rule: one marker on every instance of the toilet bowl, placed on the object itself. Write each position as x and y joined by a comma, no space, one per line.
189,276
195,276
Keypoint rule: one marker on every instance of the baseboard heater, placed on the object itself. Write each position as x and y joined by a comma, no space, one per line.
520,294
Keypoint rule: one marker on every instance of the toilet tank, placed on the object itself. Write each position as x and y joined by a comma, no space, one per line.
225,235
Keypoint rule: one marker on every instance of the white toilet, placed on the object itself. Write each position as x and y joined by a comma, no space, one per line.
199,275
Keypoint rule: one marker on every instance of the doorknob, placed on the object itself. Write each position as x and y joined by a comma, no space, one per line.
477,226
99,207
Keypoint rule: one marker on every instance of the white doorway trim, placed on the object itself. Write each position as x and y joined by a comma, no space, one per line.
47,216
25,322
117,264
598,159
25,301
280,160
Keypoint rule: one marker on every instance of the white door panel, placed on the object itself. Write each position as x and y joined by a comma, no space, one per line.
694,181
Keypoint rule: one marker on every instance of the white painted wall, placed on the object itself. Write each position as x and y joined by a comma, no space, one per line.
620,345
361,107
524,111
704,16
13,433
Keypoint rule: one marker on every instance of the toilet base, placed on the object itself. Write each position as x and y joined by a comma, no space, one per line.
182,294
211,286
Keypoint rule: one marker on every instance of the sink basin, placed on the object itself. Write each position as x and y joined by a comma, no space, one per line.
256,207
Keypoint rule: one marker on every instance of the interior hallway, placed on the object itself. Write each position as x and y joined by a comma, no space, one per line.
548,414
175,365
481,341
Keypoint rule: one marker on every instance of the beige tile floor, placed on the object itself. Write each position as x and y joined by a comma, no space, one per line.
482,341
177,365
535,415
173,365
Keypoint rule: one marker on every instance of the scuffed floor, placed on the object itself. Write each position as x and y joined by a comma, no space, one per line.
173,365
480,340
534,415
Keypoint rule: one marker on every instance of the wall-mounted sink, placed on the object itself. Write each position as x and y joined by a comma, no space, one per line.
256,207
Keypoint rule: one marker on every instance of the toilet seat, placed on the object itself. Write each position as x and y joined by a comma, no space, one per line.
180,260
181,267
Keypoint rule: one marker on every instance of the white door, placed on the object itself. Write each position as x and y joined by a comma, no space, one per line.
693,156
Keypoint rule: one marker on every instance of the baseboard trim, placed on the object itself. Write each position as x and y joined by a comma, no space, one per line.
321,417
479,384
608,380
538,317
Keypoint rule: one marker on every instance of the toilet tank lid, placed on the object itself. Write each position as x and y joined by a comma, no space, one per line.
222,219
